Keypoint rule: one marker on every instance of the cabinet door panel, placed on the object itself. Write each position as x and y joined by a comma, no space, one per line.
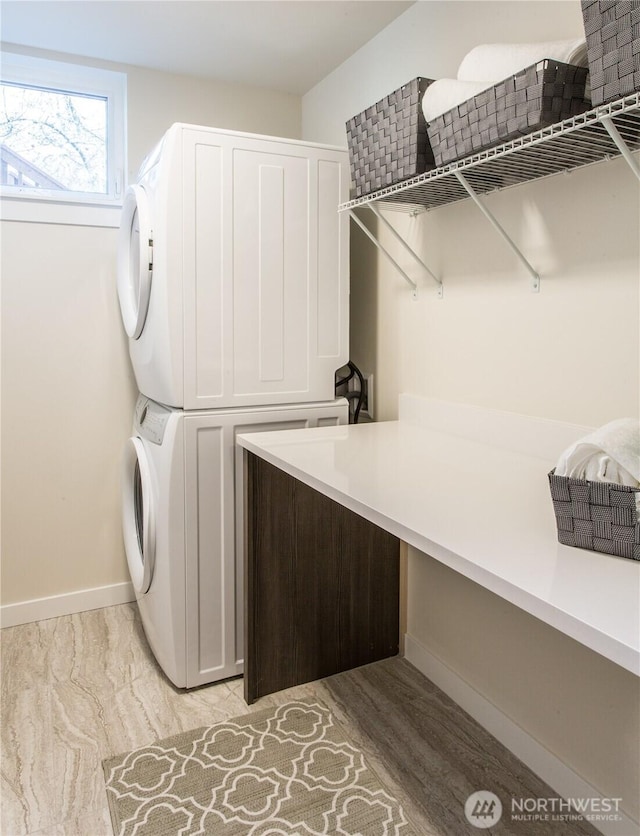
322,585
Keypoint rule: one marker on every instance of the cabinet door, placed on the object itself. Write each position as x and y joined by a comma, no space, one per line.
265,270
290,272
210,549
322,584
271,281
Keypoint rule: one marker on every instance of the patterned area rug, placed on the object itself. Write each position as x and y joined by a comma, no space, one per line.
288,770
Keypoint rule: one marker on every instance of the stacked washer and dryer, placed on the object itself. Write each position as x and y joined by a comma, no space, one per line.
233,287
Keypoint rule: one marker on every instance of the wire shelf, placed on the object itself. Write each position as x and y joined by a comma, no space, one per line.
576,142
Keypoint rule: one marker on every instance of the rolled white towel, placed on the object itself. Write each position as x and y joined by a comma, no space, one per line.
609,454
446,93
495,62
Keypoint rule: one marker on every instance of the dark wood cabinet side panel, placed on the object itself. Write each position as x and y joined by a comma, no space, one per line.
268,581
322,584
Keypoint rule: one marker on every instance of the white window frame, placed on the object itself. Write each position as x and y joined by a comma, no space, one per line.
52,206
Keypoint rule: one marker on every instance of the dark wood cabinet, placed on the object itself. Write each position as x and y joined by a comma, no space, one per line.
321,584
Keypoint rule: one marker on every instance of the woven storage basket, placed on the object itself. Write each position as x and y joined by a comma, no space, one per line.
540,95
388,141
599,516
612,28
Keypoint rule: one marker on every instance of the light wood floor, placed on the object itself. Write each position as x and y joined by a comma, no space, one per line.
79,688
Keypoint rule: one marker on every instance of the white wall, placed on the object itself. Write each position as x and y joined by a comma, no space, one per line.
568,353
492,342
156,100
67,389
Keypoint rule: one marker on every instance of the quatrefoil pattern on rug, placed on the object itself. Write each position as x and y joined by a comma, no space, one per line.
288,770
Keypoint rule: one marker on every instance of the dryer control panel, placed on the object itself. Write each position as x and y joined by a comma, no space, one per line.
151,419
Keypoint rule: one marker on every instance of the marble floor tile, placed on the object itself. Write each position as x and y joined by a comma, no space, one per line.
80,688
434,752
26,753
207,705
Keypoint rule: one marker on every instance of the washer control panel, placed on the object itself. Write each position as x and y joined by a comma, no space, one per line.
151,419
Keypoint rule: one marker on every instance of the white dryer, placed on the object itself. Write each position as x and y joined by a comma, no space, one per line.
182,530
233,270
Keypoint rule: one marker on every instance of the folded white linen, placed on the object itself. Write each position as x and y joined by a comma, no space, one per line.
609,454
489,64
446,93
495,62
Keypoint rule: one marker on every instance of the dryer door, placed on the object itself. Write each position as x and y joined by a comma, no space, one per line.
135,260
138,518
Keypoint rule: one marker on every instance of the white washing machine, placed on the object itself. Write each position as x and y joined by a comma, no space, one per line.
183,529
233,270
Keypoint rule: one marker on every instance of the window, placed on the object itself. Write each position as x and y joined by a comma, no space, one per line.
62,133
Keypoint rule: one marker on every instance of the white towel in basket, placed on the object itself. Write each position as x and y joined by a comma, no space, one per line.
495,62
446,93
489,64
609,454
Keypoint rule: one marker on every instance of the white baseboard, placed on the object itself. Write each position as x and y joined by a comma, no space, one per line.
562,779
73,602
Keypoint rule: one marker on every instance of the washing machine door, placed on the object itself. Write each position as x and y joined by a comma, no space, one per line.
138,517
135,260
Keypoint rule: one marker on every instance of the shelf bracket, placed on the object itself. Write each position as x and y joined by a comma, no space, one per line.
374,240
408,249
535,278
622,146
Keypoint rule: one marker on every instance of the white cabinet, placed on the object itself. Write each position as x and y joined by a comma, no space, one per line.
247,265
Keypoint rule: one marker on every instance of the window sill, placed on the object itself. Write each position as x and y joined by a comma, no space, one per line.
26,210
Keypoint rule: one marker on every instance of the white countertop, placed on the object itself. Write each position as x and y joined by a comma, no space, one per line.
481,508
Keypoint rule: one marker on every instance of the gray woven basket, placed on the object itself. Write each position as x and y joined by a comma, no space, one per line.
612,28
599,516
388,141
538,96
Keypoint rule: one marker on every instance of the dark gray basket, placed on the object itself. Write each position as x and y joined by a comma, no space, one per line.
612,28
599,516
388,141
538,96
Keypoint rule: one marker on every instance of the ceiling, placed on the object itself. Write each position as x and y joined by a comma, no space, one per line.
285,45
